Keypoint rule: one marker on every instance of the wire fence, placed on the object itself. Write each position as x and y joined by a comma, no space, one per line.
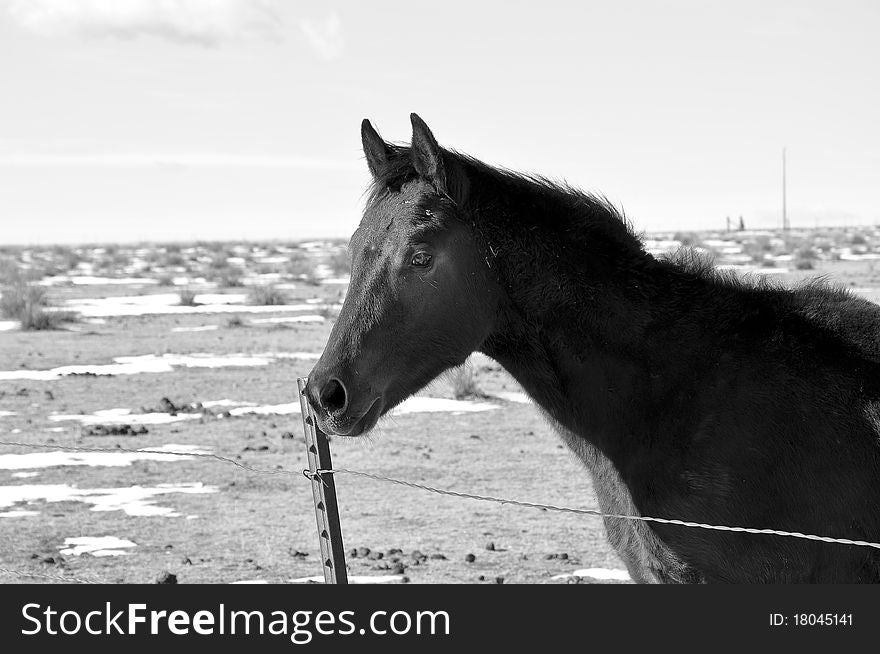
597,512
409,484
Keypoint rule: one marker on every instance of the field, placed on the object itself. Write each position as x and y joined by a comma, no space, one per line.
197,347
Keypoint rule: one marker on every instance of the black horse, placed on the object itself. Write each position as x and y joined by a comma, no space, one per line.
688,393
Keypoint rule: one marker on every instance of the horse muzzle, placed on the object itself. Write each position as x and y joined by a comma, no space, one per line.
338,412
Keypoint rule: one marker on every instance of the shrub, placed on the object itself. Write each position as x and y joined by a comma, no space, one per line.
219,261
266,295
27,303
67,258
803,264
340,262
18,297
166,280
230,278
329,311
806,252
188,298
687,239
235,321
756,251
300,265
173,259
9,271
464,383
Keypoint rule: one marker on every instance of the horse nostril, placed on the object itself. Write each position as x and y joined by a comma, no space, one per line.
334,397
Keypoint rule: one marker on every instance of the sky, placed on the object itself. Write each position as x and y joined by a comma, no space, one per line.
130,120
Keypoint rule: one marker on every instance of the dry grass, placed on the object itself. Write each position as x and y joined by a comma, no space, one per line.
267,295
464,385
231,277
235,322
28,304
329,311
300,265
340,262
187,298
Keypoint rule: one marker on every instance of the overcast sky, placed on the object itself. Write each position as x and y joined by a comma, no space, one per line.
229,119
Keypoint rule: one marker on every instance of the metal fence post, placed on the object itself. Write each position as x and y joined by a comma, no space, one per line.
324,492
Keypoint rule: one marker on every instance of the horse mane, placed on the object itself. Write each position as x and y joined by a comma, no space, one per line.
702,265
574,208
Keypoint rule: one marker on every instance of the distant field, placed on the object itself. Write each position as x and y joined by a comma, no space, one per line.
197,348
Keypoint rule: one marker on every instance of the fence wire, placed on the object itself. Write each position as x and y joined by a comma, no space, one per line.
409,484
113,450
593,512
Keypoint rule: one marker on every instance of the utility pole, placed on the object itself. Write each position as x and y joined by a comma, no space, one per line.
784,208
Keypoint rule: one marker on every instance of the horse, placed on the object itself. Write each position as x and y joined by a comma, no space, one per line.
688,393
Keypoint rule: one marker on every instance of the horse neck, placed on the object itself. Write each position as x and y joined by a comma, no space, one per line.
586,324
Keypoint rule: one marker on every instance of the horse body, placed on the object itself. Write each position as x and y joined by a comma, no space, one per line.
687,394
723,429
648,560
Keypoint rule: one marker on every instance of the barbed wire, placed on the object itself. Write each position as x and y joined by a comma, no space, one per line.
452,493
113,450
592,512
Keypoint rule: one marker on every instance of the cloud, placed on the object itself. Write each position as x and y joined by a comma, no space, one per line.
203,22
325,36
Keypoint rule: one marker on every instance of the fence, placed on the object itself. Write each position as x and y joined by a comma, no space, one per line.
321,474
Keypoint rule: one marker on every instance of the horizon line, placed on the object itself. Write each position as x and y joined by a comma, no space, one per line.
305,239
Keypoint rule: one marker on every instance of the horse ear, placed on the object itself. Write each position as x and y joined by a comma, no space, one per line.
426,154
375,148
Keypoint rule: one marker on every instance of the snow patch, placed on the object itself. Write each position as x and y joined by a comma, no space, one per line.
513,396
125,417
17,514
89,280
283,319
268,410
34,460
419,404
169,303
200,328
354,579
135,365
214,403
602,574
133,500
96,546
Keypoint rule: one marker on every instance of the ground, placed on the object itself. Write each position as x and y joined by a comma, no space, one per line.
227,524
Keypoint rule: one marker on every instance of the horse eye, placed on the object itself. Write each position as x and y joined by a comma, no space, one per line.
421,259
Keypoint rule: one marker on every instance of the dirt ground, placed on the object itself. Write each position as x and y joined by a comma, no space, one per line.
262,526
